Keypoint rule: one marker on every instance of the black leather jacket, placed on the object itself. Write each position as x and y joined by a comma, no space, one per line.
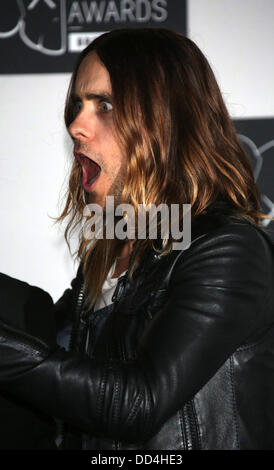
185,360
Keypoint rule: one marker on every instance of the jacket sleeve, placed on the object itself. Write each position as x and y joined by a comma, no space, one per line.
63,308
19,301
218,298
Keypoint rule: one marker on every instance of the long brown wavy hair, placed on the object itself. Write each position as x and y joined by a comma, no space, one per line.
179,141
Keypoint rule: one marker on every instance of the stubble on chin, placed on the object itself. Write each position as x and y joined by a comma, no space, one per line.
115,190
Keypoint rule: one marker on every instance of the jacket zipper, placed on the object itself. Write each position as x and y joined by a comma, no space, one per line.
75,325
83,325
192,437
119,288
115,299
73,336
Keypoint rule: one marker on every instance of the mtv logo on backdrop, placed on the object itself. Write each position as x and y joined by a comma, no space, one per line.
43,36
257,139
40,24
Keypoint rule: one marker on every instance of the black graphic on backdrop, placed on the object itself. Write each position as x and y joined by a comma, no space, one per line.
257,138
44,36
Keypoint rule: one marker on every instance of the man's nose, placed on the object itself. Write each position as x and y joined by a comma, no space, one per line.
81,127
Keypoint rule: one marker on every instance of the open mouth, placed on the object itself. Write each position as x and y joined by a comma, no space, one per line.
91,170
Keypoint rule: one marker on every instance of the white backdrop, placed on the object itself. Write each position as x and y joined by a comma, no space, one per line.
237,36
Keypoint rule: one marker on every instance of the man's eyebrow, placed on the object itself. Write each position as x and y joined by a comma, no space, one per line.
93,96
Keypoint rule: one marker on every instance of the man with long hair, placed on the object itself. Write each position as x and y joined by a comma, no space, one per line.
157,348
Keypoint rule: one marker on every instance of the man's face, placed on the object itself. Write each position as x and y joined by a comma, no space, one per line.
95,141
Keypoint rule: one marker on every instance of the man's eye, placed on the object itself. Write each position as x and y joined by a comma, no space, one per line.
77,105
105,106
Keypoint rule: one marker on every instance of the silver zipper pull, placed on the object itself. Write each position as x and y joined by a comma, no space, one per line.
119,288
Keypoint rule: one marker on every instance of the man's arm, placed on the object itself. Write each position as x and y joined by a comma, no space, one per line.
19,301
217,298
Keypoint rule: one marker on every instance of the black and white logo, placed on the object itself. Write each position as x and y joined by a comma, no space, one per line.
40,24
257,139
44,35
